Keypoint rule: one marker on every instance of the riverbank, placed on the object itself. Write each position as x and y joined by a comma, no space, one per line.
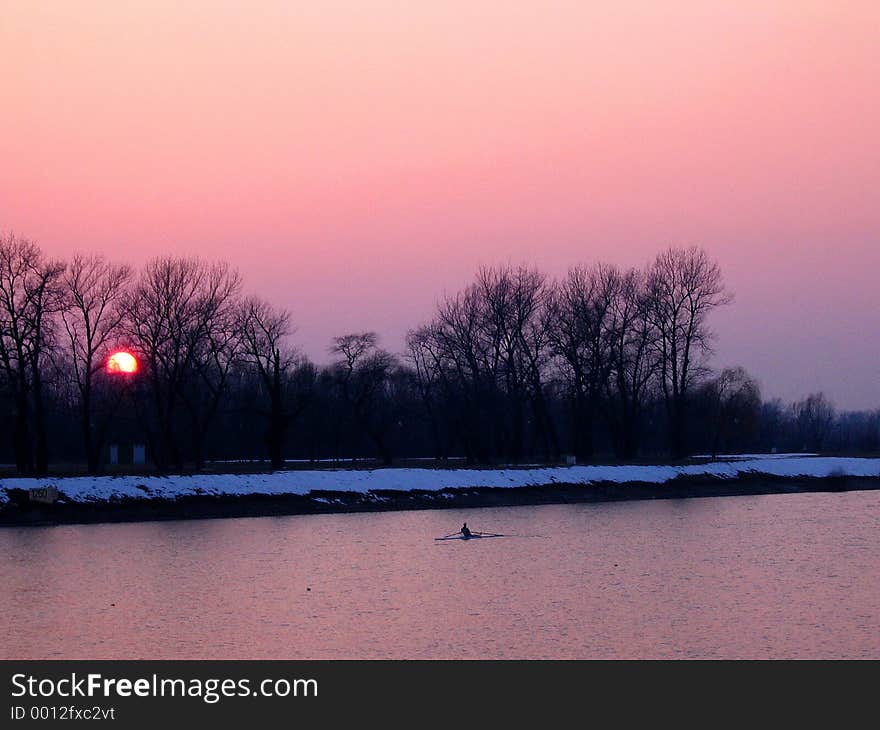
137,498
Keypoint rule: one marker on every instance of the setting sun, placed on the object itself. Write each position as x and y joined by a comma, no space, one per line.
122,362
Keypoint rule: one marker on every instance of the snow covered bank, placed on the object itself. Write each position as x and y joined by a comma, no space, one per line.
746,457
105,488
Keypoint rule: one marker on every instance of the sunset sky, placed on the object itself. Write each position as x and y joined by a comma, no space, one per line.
355,159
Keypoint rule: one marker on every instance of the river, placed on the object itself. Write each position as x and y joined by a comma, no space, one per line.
738,577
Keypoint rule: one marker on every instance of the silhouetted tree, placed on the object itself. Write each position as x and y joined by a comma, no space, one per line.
217,345
514,335
633,359
734,410
92,318
581,336
362,375
179,316
813,418
30,296
684,287
508,368
265,332
422,353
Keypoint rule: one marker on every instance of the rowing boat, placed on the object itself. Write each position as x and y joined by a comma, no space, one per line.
472,536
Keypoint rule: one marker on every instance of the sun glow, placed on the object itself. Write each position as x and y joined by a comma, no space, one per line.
122,362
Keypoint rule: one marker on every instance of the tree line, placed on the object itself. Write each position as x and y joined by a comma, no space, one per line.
605,362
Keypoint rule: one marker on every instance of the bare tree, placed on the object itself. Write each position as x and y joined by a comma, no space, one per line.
684,286
92,318
774,425
422,353
581,338
533,329
514,334
180,318
735,409
264,333
483,363
363,375
813,418
633,360
857,431
466,370
216,343
30,296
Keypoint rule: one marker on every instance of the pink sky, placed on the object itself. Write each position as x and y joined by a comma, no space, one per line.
357,158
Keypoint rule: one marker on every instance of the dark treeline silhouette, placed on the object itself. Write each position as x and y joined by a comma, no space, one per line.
605,363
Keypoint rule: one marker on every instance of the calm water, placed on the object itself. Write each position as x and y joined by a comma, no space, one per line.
770,576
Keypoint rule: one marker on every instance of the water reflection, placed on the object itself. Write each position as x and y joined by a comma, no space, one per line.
778,575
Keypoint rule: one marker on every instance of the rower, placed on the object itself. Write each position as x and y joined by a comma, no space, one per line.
465,531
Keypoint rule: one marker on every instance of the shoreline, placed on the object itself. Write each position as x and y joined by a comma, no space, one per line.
19,512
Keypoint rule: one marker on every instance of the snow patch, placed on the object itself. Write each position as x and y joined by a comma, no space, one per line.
105,488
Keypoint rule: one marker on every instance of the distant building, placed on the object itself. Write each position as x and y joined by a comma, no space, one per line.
126,453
